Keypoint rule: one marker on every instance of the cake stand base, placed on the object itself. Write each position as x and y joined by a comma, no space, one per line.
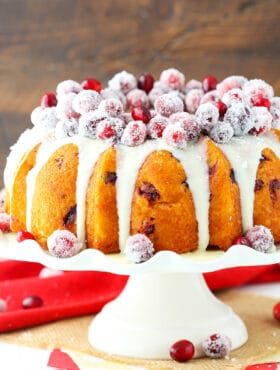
157,309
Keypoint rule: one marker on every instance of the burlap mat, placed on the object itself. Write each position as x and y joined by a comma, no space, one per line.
71,335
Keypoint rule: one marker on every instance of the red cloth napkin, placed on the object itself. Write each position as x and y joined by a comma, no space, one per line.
77,293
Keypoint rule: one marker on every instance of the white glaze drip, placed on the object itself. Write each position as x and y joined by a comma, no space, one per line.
244,155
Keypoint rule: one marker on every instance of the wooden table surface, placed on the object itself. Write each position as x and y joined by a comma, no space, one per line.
44,42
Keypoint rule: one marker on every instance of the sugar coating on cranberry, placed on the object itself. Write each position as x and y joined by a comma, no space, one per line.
5,220
216,346
126,117
239,116
233,96
137,98
175,135
221,133
156,126
230,82
63,244
66,128
188,122
168,104
88,123
172,78
275,102
3,305
207,116
86,100
65,109
275,112
258,88
192,100
111,106
193,84
182,351
134,133
35,115
123,81
47,118
262,120
210,97
139,248
260,238
154,94
68,86
105,129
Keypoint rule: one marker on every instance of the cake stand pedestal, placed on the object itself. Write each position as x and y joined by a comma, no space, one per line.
157,309
166,298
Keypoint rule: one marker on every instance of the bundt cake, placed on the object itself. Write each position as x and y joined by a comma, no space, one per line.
189,165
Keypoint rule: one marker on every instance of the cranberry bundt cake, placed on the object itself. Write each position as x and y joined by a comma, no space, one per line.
187,165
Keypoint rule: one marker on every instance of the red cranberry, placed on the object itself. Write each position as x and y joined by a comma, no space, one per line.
243,241
141,114
24,235
260,101
222,108
276,311
91,84
209,83
145,82
48,100
182,350
32,301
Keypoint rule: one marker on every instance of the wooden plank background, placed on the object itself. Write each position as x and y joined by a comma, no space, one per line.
43,42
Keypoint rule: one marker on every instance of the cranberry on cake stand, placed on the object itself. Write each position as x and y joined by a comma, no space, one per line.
165,300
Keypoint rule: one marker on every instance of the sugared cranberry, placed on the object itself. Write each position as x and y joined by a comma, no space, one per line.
221,133
32,301
233,96
257,88
24,235
91,84
216,346
68,86
63,243
156,126
222,108
276,311
207,116
123,81
182,350
145,82
172,79
242,240
260,101
111,106
48,100
105,129
175,135
137,98
134,133
86,101
168,104
5,220
139,248
240,117
229,83
209,83
260,238
141,114
192,99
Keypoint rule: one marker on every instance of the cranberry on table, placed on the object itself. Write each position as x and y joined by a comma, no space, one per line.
141,114
182,350
32,301
276,311
209,83
146,82
91,84
48,100
24,235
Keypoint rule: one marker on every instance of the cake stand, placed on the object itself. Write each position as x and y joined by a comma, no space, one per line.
166,298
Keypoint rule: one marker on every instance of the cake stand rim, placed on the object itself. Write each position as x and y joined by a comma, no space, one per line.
164,261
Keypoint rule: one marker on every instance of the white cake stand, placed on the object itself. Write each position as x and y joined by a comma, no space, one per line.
166,298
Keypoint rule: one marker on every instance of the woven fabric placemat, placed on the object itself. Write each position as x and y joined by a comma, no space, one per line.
70,335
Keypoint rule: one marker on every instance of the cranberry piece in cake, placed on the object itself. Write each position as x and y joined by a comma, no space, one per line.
209,83
216,346
141,114
181,351
24,235
32,301
260,238
48,100
146,82
149,191
139,248
276,311
91,84
63,244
